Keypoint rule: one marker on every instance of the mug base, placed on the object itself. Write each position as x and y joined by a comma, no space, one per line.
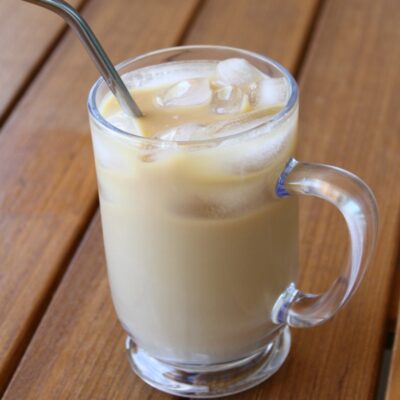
211,381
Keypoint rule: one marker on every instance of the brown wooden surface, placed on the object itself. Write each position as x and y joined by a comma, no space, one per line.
349,117
349,84
257,26
48,188
27,34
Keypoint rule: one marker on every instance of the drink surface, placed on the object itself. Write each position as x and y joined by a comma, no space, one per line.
212,100
198,245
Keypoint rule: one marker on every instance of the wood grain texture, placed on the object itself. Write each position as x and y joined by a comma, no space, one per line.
47,179
77,351
227,22
349,97
27,33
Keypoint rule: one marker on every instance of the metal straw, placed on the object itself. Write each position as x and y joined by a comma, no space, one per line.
96,52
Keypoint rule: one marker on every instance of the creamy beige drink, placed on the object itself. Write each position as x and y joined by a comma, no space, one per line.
198,245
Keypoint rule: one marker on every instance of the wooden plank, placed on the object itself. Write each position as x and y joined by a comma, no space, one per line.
48,187
235,31
345,122
27,35
77,351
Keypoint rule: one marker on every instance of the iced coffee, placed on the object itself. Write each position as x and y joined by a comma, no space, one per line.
198,245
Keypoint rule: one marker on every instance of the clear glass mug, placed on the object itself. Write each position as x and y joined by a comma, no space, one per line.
201,239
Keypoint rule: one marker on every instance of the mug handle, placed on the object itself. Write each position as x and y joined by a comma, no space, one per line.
357,204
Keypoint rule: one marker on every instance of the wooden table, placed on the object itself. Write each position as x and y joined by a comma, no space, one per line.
59,337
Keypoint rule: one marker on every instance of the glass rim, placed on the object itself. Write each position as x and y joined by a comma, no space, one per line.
272,122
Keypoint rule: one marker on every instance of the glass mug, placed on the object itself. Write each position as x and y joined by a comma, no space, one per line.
201,238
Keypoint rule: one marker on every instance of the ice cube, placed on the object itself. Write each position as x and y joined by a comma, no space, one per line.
191,92
268,92
184,132
237,71
221,201
107,153
168,73
227,100
149,153
234,126
124,122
